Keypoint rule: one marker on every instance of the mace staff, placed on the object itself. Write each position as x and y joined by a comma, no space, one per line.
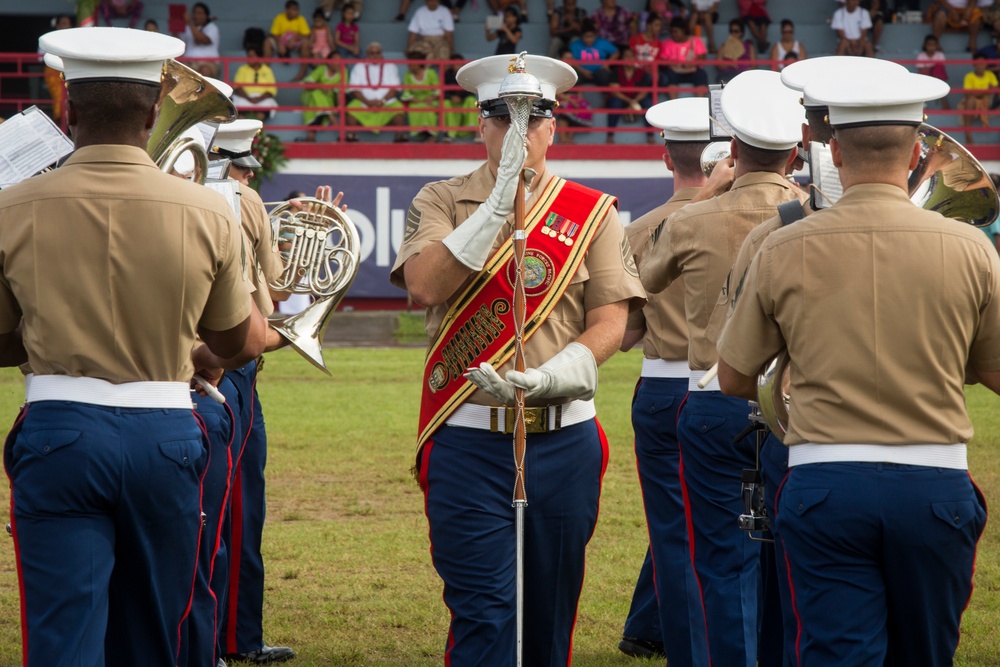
519,89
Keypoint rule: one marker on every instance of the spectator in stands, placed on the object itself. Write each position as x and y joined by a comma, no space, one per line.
201,39
454,5
932,55
463,109
976,98
704,16
991,17
289,36
374,102
630,91
735,49
573,110
754,15
565,24
320,88
957,15
681,52
509,33
613,23
593,54
432,30
662,9
321,41
852,23
786,44
54,81
151,26
497,7
120,9
347,36
646,45
875,13
254,92
420,93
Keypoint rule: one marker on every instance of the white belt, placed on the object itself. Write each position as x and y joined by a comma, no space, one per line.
537,420
695,376
661,368
933,456
101,392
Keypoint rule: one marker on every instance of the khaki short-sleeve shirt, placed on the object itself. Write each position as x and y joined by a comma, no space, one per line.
113,265
881,306
663,315
700,243
606,276
265,262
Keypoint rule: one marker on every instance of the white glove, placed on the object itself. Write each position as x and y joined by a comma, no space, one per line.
472,241
572,374
486,378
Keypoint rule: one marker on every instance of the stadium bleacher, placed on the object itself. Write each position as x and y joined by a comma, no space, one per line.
900,41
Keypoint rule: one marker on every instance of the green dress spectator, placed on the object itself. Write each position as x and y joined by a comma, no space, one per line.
320,91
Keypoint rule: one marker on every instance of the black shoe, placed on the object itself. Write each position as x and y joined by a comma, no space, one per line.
264,655
641,648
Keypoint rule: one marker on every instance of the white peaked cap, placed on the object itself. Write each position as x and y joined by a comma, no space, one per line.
683,119
800,73
220,86
233,140
877,98
484,76
762,111
110,53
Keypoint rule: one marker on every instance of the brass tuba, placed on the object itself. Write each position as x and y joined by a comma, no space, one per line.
321,251
714,153
947,179
186,99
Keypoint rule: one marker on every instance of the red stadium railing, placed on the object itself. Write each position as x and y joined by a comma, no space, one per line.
22,85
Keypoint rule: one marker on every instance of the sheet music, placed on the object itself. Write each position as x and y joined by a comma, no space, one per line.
217,169
825,176
29,142
720,130
228,189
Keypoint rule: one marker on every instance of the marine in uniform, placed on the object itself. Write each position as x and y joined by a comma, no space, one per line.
456,260
778,625
885,310
110,268
699,244
242,633
670,613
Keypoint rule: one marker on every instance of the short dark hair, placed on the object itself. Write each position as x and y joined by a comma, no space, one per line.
787,23
686,156
208,12
678,22
118,107
291,3
764,159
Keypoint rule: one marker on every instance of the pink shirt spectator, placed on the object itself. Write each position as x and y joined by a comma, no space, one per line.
348,34
689,50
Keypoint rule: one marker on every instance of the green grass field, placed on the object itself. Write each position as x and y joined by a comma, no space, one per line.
349,575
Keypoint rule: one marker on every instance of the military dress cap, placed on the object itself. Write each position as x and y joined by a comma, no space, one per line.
110,54
802,72
762,111
484,76
683,119
220,86
877,98
233,140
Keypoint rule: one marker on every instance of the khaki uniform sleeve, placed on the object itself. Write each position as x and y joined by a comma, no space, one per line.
610,265
751,336
10,310
984,354
661,263
255,215
429,219
229,299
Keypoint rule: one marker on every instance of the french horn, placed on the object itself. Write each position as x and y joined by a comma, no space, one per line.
947,179
321,252
186,99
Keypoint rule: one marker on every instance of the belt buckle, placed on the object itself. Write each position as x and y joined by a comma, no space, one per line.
536,420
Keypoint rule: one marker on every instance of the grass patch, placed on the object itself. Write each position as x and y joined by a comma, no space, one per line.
410,329
350,580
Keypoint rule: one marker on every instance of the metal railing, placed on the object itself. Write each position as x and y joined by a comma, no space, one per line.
22,85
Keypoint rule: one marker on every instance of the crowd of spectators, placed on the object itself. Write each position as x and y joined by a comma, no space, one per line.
627,54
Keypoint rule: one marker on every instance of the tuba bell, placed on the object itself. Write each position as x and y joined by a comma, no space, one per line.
947,179
321,252
186,99
714,153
